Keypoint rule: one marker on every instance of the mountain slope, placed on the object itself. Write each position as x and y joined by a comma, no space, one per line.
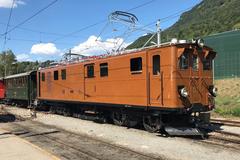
207,17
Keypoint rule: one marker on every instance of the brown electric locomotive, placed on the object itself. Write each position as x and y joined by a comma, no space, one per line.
168,86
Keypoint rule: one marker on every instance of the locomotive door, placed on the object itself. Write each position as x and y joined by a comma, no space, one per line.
155,79
49,84
89,81
195,84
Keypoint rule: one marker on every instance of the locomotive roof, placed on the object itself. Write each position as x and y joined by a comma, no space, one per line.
130,51
19,75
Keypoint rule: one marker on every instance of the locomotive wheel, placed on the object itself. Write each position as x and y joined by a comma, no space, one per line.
53,110
119,118
132,123
67,112
152,123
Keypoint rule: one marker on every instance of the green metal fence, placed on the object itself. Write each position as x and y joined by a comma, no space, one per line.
227,46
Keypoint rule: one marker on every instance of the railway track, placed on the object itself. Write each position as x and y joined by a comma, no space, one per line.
222,138
225,122
69,145
216,137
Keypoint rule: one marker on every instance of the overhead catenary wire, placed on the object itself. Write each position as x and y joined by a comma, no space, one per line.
31,17
152,23
57,34
9,19
142,28
99,22
105,26
163,20
42,32
141,5
33,40
62,35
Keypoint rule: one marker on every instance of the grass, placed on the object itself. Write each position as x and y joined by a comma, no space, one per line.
228,112
228,106
228,99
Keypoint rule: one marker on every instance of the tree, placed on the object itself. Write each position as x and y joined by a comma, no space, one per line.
7,58
9,65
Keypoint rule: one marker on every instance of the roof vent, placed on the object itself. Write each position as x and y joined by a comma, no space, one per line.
174,41
182,41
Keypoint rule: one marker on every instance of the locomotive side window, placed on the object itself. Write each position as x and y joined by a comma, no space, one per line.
136,65
195,62
90,71
63,74
25,81
183,60
207,64
156,65
43,77
55,75
103,69
20,81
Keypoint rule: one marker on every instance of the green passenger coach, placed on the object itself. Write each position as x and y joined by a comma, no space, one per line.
21,88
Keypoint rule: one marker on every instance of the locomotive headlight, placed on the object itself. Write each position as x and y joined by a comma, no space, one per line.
200,42
183,92
213,91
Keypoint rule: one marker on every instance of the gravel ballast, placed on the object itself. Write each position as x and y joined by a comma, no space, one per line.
135,139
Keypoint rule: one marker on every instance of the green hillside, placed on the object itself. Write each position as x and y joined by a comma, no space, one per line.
207,17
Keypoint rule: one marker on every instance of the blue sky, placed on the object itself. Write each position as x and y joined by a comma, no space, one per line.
43,37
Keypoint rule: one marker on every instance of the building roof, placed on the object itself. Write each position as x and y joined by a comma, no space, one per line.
19,75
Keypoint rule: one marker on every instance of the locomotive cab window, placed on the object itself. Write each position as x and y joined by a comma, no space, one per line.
183,60
104,69
208,61
207,64
43,77
195,62
156,65
90,71
136,65
63,74
55,75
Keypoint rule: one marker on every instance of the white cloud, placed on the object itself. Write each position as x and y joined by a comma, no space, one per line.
23,57
96,47
45,49
8,3
89,48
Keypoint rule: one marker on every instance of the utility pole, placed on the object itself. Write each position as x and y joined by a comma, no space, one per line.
5,70
5,63
16,65
158,33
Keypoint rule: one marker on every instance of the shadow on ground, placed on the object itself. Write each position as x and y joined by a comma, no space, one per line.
5,118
